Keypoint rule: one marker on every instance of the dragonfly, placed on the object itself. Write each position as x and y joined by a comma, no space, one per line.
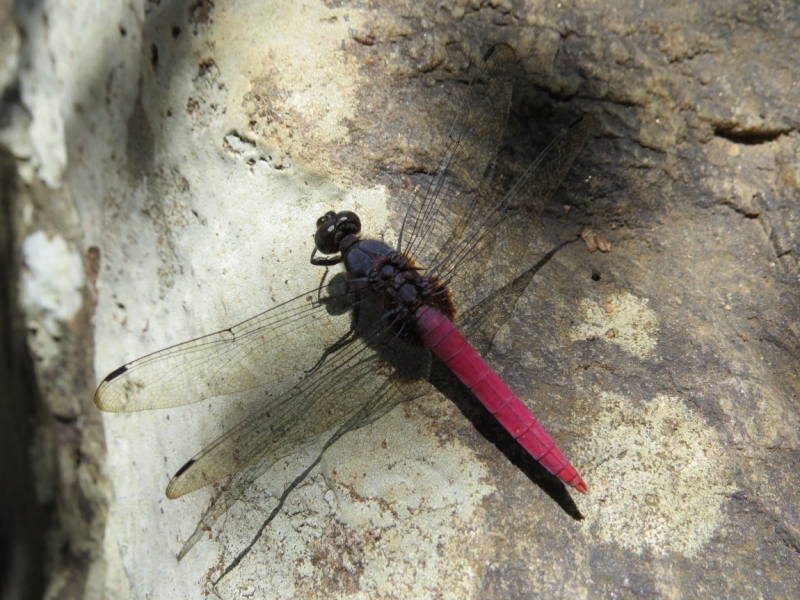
367,342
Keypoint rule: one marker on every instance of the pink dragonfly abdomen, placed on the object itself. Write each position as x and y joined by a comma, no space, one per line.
441,336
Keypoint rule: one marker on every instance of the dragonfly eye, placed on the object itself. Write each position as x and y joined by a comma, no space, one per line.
332,228
328,216
348,222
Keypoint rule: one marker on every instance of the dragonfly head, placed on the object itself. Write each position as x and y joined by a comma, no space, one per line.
333,227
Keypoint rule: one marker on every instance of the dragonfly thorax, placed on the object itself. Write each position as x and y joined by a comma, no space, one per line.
388,276
393,280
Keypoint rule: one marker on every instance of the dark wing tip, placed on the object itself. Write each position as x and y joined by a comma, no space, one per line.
115,373
98,395
502,47
172,493
489,53
183,469
587,120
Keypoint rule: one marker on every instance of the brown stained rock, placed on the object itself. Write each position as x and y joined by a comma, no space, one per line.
667,369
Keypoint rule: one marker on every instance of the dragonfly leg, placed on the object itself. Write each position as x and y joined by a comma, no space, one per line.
324,262
342,341
320,301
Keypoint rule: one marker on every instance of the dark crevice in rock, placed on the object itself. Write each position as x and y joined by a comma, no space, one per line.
23,516
749,137
745,212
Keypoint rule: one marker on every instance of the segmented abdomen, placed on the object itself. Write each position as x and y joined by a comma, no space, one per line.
439,334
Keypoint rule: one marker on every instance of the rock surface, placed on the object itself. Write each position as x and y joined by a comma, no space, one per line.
198,142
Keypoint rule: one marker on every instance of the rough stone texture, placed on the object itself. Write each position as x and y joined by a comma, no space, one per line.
198,142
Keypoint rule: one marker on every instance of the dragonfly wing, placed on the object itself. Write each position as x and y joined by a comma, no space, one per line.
468,155
361,381
460,217
481,321
265,350
388,396
498,240
357,385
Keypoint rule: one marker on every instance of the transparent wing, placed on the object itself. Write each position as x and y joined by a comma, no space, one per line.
376,391
499,232
272,347
459,228
367,375
302,392
467,156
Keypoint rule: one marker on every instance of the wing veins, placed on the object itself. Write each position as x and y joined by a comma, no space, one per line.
245,441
